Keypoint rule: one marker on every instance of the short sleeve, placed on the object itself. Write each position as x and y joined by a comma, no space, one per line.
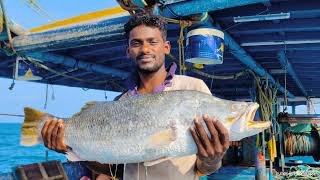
203,87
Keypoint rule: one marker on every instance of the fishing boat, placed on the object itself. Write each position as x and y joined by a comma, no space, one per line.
255,50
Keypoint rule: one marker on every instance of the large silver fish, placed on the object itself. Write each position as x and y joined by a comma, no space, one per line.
146,127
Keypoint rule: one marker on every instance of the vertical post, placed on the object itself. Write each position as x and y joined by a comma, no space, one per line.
6,22
310,107
263,144
293,109
281,142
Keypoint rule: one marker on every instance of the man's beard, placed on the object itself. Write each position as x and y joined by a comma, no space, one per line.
148,70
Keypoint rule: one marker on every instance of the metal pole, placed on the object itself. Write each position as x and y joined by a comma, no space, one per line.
6,22
293,109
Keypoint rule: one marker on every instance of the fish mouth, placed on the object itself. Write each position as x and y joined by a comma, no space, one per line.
250,116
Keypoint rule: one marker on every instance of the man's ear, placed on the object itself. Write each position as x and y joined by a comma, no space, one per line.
167,47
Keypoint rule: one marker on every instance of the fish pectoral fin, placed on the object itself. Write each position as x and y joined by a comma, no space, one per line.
71,156
163,138
157,161
259,124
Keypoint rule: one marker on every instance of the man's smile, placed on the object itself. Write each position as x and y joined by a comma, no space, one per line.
146,58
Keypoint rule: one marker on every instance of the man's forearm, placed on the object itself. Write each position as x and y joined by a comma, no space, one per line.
204,168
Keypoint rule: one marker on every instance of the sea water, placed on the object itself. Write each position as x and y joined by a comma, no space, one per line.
13,154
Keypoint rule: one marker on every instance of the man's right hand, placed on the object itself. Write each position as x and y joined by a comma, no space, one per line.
52,135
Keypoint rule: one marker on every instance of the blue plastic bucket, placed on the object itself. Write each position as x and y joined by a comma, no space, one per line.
205,46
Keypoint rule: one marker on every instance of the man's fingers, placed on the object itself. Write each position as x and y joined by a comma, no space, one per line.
204,136
50,131
212,129
223,135
44,133
60,138
201,150
54,135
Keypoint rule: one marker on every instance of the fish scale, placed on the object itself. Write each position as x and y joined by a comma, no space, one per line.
149,127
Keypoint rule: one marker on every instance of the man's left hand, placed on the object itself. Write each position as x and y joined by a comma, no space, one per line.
210,150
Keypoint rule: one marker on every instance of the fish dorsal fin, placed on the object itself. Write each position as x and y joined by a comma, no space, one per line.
87,106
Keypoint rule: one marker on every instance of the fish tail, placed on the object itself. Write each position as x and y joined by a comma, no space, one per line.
29,129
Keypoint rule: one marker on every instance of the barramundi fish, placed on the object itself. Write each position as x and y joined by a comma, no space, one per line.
144,128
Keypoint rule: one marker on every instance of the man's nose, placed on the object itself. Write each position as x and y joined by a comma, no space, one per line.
145,48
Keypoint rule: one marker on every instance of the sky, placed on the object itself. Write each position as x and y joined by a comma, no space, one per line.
67,100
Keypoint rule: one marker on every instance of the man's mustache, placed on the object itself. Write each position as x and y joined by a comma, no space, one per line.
142,56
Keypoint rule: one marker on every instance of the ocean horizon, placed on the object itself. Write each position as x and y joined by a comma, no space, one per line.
12,154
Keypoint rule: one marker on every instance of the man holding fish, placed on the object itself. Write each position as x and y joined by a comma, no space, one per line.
147,47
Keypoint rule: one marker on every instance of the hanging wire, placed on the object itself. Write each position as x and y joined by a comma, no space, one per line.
211,84
14,115
285,100
211,76
113,176
46,97
38,64
13,78
53,97
183,25
35,7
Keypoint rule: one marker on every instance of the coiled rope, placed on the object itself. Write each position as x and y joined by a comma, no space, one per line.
299,144
301,172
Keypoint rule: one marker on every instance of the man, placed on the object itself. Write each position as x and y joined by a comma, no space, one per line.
147,49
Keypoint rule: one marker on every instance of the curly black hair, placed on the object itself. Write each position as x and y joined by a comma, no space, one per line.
147,20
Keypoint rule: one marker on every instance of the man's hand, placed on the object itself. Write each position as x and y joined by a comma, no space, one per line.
210,150
52,134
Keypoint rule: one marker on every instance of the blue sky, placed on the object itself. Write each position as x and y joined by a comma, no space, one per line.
67,100
58,9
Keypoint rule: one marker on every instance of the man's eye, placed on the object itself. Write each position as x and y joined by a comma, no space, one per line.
135,44
154,42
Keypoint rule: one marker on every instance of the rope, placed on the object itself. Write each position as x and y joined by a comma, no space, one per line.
37,9
11,52
46,98
301,144
71,77
183,25
266,98
301,172
210,76
114,177
15,115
